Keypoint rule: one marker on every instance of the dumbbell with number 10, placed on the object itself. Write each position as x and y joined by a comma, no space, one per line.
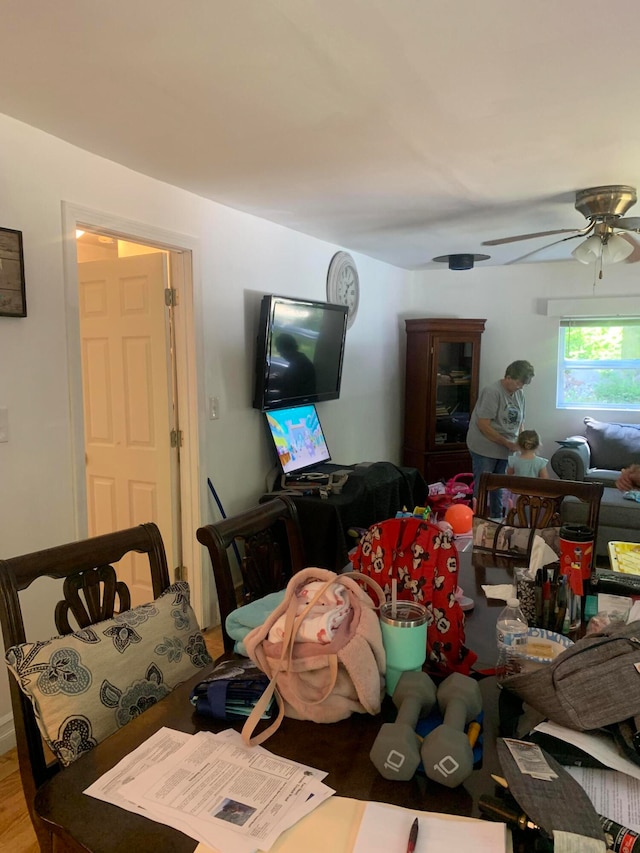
396,750
447,754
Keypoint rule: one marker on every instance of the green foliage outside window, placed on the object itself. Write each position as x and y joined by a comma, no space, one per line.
588,374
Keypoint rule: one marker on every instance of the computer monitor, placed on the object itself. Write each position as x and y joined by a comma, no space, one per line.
298,438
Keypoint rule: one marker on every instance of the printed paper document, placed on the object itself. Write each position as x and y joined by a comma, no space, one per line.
214,788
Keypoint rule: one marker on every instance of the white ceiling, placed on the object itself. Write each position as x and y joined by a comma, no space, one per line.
402,129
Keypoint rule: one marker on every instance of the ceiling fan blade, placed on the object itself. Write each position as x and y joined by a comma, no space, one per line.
541,248
529,236
629,223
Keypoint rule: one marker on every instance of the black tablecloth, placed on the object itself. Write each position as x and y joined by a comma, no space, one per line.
372,493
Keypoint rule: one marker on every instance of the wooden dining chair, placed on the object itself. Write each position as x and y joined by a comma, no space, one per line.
536,502
270,539
91,594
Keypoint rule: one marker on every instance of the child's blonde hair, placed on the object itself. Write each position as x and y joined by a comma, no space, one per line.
529,439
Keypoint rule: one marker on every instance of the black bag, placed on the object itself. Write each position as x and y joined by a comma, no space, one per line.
231,691
593,684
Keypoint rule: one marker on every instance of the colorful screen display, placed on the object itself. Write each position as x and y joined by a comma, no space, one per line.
298,438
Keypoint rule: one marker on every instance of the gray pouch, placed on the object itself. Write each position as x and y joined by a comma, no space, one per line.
592,684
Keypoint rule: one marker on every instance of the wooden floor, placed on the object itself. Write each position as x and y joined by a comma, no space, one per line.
16,831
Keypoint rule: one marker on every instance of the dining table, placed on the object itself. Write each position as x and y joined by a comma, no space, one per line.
341,749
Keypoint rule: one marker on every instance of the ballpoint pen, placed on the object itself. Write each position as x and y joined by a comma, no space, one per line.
546,599
413,837
561,606
553,606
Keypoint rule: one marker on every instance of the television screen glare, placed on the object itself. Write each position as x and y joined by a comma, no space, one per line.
298,438
300,352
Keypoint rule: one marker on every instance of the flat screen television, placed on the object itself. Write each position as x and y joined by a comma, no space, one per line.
298,438
299,353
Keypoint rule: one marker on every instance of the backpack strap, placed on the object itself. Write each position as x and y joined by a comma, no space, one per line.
375,586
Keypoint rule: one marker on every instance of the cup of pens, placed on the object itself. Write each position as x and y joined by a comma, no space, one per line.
545,598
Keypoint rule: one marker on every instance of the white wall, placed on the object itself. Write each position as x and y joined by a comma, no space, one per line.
240,258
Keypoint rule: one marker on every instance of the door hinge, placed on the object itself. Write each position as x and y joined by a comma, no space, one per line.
180,573
170,297
176,438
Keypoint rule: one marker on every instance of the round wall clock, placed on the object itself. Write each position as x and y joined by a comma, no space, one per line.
343,284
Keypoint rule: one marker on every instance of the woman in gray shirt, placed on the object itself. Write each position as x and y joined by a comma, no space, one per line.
495,423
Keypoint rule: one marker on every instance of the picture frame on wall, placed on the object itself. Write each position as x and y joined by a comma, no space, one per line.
13,300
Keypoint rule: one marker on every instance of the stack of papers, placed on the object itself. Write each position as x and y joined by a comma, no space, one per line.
213,788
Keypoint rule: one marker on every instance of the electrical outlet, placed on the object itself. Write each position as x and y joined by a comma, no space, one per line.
214,409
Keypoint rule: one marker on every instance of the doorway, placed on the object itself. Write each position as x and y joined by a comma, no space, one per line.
129,403
134,408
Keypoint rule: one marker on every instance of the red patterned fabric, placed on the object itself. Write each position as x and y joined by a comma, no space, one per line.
424,561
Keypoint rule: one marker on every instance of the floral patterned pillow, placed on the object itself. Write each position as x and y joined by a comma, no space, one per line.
86,685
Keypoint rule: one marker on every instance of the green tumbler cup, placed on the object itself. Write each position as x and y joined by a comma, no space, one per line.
404,636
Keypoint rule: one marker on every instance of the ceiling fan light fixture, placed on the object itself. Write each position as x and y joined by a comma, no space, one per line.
589,251
611,251
616,249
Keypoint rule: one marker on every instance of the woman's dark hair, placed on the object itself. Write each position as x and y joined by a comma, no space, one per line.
521,371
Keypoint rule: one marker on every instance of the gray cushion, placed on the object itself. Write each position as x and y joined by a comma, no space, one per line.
612,445
615,510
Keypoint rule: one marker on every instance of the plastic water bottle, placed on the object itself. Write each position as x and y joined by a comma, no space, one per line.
511,638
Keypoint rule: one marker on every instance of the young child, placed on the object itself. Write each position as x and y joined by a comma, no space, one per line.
525,463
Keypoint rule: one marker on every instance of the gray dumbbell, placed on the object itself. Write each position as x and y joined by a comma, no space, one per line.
446,753
396,750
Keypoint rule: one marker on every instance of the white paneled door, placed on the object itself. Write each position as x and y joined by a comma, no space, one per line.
128,405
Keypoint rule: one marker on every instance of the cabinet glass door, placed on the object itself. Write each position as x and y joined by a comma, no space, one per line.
453,382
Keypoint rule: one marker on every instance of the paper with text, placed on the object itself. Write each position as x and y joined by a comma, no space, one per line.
614,795
232,797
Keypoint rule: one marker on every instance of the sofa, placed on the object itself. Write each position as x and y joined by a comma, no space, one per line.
600,454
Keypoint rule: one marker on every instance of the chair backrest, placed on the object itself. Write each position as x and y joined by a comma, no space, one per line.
271,539
538,500
91,593
537,503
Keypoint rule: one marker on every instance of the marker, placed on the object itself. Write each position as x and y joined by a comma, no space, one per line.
413,837
537,591
499,810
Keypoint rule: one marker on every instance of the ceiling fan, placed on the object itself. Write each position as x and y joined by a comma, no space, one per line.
604,208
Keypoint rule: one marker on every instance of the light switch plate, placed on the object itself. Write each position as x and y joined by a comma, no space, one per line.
4,423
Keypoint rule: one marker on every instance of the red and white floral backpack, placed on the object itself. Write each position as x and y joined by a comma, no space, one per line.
423,559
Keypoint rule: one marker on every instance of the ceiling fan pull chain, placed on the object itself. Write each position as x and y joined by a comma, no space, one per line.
597,272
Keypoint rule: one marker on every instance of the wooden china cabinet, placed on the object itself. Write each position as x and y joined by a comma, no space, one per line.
441,388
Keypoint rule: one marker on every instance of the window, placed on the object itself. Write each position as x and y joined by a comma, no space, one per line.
599,364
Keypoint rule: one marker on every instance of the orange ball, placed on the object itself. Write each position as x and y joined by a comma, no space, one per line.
460,517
